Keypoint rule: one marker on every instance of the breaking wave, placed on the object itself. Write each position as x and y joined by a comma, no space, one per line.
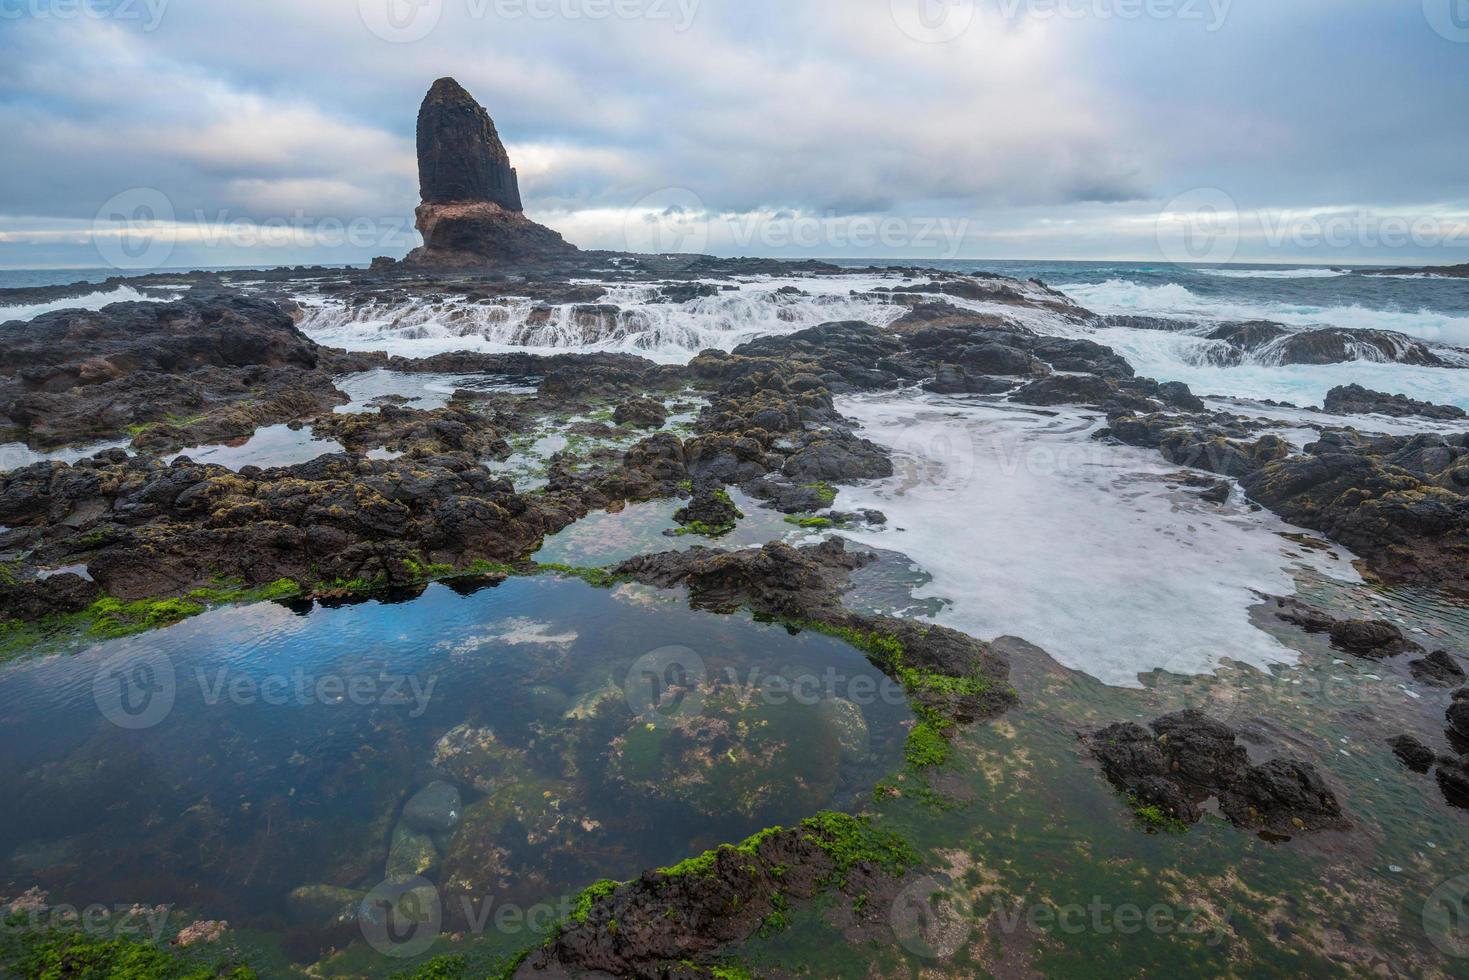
1116,296
89,301
628,318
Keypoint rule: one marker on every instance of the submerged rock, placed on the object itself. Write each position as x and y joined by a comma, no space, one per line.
1412,753
320,906
411,853
848,725
476,757
435,809
1439,668
1373,639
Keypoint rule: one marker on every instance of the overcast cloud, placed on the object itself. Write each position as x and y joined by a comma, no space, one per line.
927,128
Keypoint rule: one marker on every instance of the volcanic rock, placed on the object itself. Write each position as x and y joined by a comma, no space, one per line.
471,214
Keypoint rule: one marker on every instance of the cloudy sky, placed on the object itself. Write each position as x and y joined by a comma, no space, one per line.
282,130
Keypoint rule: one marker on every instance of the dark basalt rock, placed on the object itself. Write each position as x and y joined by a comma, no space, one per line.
1439,669
952,380
1401,502
1355,400
1373,639
145,528
1453,781
1188,757
1070,389
1458,713
460,156
672,924
471,213
226,363
641,413
54,595
1412,753
56,352
804,585
710,507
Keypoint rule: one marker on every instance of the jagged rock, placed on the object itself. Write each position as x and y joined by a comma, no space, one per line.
1189,757
1353,399
51,596
1374,639
471,212
1453,781
1439,668
1412,753
642,413
460,156
710,509
1458,713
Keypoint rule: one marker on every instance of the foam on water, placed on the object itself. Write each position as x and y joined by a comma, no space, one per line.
90,301
422,391
1275,273
666,332
14,455
1123,296
1183,357
1031,528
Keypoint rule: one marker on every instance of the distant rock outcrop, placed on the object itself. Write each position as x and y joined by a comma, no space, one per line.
471,212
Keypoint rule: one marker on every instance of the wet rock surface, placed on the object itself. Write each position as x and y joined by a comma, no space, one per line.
1356,400
1187,758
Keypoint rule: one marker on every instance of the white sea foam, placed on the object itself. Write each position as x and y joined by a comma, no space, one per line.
89,301
667,332
1183,357
1275,273
1031,528
1123,296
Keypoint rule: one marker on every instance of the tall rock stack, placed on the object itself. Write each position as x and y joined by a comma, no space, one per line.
471,214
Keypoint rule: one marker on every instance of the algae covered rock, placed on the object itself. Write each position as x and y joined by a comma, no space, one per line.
411,853
476,757
319,906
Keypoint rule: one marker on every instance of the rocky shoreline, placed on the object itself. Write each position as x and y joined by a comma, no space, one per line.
131,539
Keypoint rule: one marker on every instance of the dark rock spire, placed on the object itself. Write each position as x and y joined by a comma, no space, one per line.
460,156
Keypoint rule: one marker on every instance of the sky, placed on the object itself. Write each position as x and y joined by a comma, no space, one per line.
164,133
